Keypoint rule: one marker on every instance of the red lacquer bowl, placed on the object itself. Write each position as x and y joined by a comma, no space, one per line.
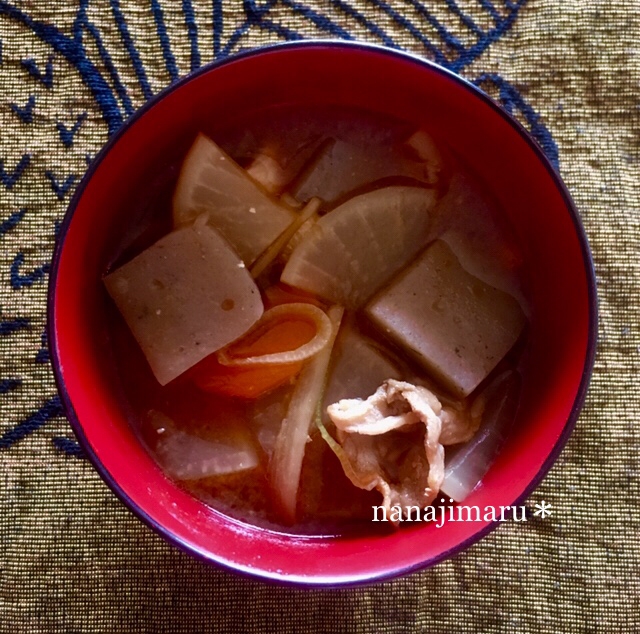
563,301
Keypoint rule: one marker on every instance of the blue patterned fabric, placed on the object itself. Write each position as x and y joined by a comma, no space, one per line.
115,101
73,559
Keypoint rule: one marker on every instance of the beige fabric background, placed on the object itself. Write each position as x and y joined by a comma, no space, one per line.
73,559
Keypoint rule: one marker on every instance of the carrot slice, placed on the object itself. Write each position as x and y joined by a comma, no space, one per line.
251,381
242,381
289,333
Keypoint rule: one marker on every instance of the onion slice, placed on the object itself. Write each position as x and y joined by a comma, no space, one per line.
286,462
306,351
274,249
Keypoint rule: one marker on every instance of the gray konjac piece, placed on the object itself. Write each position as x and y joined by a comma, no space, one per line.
451,322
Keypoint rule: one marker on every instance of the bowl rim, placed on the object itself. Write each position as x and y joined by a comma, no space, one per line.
336,580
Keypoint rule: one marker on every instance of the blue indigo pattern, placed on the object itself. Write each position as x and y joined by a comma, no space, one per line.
9,326
10,177
19,280
42,356
66,134
8,385
51,409
44,77
12,221
451,36
60,187
68,446
24,113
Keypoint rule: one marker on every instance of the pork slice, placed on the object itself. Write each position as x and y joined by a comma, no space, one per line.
392,442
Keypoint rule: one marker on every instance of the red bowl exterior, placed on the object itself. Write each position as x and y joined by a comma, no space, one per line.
563,325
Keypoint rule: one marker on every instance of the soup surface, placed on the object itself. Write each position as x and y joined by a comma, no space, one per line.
383,336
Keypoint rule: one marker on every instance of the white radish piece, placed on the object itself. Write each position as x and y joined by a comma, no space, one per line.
478,233
466,466
211,182
347,255
265,170
187,456
277,163
267,414
274,249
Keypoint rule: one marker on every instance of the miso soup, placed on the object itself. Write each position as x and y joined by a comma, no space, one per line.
317,313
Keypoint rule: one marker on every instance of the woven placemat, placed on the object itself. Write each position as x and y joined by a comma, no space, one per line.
73,559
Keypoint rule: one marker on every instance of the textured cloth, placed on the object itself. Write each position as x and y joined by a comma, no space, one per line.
73,559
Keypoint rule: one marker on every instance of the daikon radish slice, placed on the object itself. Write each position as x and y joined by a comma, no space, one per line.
278,245
466,466
347,255
478,233
266,170
188,456
211,182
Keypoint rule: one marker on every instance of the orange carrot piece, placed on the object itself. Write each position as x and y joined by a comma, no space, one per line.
252,381
288,334
242,381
